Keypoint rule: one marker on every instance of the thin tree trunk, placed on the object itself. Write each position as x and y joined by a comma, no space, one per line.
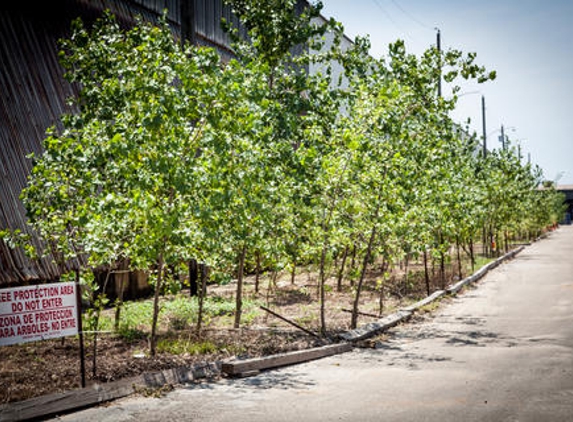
367,254
257,271
472,255
353,263
271,285
381,296
426,274
94,355
158,285
293,271
193,277
442,270
442,263
406,270
484,241
341,270
354,320
459,257
118,306
322,281
99,307
239,295
202,294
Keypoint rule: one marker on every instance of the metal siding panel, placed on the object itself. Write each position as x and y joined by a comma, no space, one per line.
33,95
209,15
200,17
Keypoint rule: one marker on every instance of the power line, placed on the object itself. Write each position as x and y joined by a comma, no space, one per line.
377,3
412,17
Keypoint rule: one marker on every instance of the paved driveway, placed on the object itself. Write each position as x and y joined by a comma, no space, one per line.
500,352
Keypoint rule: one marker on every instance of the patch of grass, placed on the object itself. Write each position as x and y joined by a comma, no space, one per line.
306,320
430,307
176,313
130,334
481,261
180,347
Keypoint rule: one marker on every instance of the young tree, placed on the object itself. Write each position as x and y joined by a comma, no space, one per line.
125,160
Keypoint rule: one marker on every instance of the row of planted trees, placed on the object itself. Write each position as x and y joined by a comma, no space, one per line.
173,156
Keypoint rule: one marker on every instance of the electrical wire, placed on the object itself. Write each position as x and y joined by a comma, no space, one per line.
412,17
377,3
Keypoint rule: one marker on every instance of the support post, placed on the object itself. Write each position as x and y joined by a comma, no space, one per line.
484,132
80,329
439,47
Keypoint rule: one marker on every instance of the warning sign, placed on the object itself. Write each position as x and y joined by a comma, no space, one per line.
37,313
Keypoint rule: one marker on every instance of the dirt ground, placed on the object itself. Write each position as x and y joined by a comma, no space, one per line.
39,368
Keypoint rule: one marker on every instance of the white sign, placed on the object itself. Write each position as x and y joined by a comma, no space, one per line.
40,312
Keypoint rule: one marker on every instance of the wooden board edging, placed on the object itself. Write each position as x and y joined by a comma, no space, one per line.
236,368
59,403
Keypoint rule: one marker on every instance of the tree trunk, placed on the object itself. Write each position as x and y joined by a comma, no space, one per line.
353,263
459,257
239,295
506,238
354,320
202,294
484,241
341,270
293,271
406,272
442,269
322,281
193,277
381,297
257,271
472,255
158,285
426,274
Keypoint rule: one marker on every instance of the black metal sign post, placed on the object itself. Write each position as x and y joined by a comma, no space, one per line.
80,329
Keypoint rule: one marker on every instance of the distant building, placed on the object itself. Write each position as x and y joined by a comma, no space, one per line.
568,191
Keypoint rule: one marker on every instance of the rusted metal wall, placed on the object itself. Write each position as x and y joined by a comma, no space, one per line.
33,95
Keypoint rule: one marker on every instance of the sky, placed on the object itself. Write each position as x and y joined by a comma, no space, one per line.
529,43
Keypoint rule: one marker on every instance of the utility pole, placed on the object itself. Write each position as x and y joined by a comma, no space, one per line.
502,138
439,46
483,126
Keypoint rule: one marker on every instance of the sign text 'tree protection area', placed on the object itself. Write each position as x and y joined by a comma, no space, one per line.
38,312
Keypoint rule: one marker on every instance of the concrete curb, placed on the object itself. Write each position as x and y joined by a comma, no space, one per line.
377,327
242,368
455,288
374,328
434,296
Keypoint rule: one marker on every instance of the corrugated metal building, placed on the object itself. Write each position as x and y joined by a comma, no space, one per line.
568,191
33,91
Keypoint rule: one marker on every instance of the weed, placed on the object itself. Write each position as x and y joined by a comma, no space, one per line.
180,347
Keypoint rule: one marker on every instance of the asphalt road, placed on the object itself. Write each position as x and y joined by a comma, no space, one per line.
502,351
